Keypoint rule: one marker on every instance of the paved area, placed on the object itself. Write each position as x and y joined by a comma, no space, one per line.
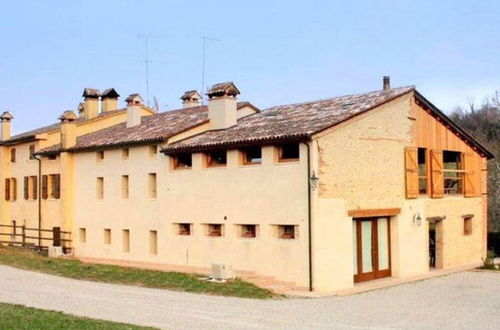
468,300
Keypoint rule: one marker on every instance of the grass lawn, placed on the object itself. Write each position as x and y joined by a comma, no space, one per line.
20,317
23,259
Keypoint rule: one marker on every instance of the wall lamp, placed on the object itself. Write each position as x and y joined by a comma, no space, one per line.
313,181
417,219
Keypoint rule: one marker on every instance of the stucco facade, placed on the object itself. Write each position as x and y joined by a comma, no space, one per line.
128,201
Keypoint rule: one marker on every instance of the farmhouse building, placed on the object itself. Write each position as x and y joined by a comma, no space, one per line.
321,194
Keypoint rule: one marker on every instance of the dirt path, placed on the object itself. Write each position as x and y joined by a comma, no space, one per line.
469,300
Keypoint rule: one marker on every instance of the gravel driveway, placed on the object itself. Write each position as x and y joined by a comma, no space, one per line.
469,300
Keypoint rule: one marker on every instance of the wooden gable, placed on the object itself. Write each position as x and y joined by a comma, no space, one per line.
436,133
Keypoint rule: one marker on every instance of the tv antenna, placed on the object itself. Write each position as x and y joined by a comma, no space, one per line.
146,38
205,39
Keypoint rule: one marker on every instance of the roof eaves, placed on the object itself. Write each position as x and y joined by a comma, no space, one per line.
300,137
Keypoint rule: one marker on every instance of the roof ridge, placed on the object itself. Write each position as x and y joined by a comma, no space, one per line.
409,87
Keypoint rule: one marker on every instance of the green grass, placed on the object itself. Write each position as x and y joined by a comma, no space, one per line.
20,317
29,260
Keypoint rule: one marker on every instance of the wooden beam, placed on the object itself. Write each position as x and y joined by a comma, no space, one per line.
368,213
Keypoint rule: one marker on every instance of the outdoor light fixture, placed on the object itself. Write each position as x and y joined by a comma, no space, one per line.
313,181
417,219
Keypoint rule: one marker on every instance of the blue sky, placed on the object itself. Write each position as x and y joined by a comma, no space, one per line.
277,52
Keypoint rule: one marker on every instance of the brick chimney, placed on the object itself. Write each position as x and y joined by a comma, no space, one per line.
387,83
5,118
109,100
68,129
91,103
222,111
134,104
191,99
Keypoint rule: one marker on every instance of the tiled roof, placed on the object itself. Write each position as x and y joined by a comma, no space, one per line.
154,128
288,122
52,127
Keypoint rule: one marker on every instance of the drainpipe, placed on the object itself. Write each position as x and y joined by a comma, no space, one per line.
309,216
39,196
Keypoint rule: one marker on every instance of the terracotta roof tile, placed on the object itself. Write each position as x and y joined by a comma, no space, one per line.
52,127
288,122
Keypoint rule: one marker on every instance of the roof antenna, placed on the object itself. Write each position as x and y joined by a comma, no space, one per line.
146,58
157,106
205,39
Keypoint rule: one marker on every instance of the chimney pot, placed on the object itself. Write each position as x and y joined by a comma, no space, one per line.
91,102
134,103
387,82
109,100
5,119
222,106
191,99
68,129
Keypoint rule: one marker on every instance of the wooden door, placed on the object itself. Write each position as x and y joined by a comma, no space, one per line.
372,257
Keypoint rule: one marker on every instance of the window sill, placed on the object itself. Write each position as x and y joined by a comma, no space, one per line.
287,162
251,165
214,167
181,169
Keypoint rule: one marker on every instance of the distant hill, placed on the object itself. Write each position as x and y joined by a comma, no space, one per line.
483,123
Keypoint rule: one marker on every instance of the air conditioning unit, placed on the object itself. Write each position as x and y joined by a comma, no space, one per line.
221,272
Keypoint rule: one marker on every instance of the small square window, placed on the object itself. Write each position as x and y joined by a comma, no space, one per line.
100,188
251,156
467,225
100,155
184,229
125,153
152,185
126,240
32,151
289,152
107,236
183,161
125,186
82,234
248,231
153,150
286,231
214,230
216,158
153,242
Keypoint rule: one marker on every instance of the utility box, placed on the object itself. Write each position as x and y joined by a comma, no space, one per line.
55,251
222,272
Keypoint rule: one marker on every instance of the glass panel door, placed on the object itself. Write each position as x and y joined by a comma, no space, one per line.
366,246
383,243
371,246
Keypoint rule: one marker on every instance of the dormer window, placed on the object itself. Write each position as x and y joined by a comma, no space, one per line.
183,161
216,158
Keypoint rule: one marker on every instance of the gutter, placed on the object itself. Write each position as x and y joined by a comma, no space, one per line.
309,217
39,196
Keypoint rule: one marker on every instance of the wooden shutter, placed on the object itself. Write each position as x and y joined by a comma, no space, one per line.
470,188
14,188
44,187
26,187
57,185
411,167
7,189
35,186
437,178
